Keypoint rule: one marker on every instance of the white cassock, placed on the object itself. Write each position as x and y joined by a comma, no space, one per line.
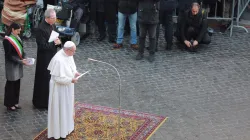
61,95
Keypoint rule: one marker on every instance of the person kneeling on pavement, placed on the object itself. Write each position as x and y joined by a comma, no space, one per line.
193,30
148,18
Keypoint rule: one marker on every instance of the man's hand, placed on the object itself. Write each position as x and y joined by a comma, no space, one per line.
77,74
187,43
74,80
195,43
57,41
25,62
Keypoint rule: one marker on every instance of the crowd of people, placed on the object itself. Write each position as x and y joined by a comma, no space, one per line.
56,72
145,17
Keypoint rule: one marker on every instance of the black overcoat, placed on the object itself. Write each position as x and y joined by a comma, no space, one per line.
45,52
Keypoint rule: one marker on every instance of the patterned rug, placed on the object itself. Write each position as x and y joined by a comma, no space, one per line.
101,123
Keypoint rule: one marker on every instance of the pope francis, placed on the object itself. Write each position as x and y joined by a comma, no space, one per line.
61,92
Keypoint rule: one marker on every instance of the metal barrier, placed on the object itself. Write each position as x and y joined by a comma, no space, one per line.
242,4
223,14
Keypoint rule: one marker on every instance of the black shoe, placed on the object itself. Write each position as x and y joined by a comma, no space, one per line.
193,49
101,38
139,56
112,41
168,47
151,58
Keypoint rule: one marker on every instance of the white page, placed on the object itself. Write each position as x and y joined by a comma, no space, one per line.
31,61
82,74
53,36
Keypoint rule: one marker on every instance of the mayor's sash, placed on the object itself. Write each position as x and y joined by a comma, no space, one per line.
16,44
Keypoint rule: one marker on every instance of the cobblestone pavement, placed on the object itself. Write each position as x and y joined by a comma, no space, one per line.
204,94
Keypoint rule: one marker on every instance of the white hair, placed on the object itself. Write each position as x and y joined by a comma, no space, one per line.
48,12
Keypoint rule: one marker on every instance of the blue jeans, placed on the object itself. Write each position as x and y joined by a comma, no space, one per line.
121,23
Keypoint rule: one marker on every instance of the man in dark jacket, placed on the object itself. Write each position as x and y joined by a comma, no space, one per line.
127,8
45,51
167,8
98,15
183,6
148,18
105,11
194,28
110,9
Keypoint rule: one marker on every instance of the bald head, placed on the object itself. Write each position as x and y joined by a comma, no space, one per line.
195,8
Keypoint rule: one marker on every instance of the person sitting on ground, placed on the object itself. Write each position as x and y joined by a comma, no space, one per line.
193,30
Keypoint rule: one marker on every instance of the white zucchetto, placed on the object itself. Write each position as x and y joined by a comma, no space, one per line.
69,44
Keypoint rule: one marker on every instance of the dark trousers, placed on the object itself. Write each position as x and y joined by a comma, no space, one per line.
180,19
192,33
112,27
110,8
100,22
151,30
12,92
167,21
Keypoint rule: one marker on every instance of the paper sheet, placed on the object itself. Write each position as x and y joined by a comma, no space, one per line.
53,36
82,74
31,61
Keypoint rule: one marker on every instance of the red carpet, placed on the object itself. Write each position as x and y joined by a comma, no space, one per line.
101,123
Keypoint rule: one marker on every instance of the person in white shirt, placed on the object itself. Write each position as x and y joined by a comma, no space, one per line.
61,92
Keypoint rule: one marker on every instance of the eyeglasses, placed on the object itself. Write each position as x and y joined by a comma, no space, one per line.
52,18
73,51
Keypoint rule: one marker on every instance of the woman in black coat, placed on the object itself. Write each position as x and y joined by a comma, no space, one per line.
14,61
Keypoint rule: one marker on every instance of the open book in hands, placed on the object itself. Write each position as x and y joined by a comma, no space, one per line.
30,61
82,75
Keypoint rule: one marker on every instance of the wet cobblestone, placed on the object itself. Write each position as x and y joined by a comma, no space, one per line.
204,94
